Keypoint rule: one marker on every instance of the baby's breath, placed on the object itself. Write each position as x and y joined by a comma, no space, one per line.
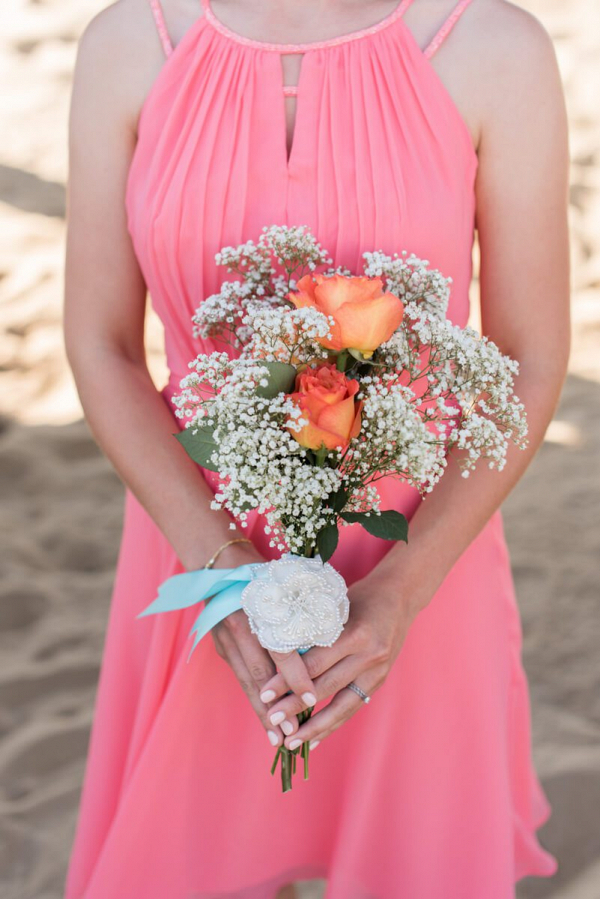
431,387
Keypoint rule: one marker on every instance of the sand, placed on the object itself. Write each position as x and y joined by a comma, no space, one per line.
60,516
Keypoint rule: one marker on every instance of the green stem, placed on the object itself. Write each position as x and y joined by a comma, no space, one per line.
320,456
286,770
288,757
342,359
305,751
275,760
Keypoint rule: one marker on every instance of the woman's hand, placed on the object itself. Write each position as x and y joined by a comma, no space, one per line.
254,666
364,653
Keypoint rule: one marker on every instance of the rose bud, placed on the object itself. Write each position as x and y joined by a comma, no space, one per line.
326,398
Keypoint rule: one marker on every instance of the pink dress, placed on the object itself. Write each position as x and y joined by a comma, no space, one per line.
430,792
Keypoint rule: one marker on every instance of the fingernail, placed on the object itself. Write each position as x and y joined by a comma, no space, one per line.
273,738
287,727
309,699
294,744
277,718
268,695
314,744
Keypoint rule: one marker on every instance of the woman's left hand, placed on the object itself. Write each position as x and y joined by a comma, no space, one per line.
364,653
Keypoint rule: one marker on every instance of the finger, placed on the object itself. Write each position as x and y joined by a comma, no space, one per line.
342,707
332,681
235,661
274,688
258,661
296,676
316,661
261,667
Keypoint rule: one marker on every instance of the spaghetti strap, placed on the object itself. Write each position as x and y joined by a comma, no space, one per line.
446,28
161,26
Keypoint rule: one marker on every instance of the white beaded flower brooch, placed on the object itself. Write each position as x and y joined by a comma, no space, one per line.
296,603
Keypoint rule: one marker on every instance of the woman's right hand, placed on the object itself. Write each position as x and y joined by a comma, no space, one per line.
250,662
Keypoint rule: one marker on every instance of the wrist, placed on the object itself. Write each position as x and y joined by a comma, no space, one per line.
201,552
237,554
392,583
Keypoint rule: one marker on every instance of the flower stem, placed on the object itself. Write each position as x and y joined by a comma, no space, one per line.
288,757
341,361
286,770
275,760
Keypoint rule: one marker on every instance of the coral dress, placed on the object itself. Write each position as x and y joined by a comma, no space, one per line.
430,791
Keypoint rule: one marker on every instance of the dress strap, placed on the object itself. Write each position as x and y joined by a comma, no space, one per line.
446,28
161,26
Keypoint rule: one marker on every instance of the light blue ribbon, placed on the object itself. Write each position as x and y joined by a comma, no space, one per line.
224,585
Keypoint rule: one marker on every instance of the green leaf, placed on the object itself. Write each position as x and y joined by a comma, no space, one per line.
200,445
338,500
389,525
327,541
281,378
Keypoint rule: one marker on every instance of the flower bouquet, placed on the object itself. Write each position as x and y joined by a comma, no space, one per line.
328,382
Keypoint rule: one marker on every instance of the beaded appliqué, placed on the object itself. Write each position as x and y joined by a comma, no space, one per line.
296,603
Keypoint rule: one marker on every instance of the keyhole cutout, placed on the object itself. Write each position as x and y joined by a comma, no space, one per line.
291,64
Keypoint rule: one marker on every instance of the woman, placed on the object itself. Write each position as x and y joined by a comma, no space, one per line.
381,125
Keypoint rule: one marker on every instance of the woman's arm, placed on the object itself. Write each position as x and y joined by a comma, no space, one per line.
104,323
105,298
522,203
522,224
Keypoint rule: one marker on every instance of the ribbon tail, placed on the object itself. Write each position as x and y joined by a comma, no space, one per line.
227,602
184,590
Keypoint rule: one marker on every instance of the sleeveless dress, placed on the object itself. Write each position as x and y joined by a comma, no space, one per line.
430,791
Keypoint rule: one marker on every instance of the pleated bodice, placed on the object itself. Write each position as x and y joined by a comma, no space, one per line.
380,159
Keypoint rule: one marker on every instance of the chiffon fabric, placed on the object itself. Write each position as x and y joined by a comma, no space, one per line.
429,792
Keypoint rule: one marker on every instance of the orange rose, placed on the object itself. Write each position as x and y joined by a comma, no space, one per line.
326,397
365,316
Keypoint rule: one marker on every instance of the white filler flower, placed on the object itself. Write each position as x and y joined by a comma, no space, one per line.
296,603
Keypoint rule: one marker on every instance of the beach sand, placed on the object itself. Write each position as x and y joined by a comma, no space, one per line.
60,517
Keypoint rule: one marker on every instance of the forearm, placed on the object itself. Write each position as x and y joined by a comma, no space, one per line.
458,508
133,425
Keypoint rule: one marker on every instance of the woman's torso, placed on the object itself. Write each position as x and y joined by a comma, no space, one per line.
380,159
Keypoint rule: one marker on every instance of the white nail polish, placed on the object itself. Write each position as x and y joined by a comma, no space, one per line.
268,695
273,738
309,699
287,727
314,744
294,744
277,718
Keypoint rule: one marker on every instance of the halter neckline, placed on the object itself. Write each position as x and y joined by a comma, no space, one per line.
227,32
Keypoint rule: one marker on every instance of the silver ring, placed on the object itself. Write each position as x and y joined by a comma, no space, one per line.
352,686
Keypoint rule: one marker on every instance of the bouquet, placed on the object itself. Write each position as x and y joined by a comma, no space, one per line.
327,382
